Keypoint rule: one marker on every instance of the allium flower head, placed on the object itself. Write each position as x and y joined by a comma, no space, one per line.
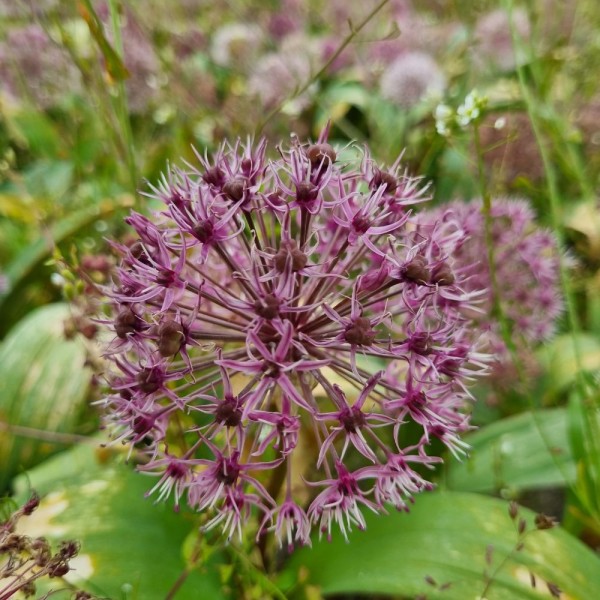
526,262
236,44
34,67
494,38
275,301
411,78
277,75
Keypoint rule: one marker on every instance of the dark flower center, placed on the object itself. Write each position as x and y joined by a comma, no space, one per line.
170,337
306,192
228,413
416,270
442,274
126,322
149,380
204,230
359,332
289,251
352,419
235,188
267,307
383,178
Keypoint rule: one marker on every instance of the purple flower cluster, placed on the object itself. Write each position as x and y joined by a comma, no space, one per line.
279,307
526,263
34,67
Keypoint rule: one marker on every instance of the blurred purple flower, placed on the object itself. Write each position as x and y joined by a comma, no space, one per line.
493,38
526,261
411,78
34,67
273,301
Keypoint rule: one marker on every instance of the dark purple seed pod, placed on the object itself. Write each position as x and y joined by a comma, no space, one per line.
214,176
267,307
170,337
321,154
228,413
306,192
289,251
353,420
235,188
126,322
442,274
203,231
149,380
384,178
416,270
360,332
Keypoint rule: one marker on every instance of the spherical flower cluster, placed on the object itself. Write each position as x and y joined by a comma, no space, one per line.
277,75
279,307
411,78
33,67
526,264
494,38
236,45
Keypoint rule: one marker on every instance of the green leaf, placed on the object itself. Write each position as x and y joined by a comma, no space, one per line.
131,548
18,270
523,452
114,65
43,386
446,537
562,363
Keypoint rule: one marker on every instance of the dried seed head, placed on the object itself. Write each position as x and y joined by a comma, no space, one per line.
543,521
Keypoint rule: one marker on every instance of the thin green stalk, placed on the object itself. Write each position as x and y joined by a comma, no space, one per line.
354,31
121,104
591,425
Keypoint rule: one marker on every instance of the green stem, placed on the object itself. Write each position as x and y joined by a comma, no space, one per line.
354,31
592,428
121,105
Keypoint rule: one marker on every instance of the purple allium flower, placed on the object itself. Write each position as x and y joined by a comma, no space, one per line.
494,38
34,67
275,305
277,75
411,78
526,261
236,45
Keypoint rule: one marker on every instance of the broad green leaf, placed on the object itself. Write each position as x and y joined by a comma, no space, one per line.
525,451
36,131
43,386
24,264
446,537
562,363
50,178
131,548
